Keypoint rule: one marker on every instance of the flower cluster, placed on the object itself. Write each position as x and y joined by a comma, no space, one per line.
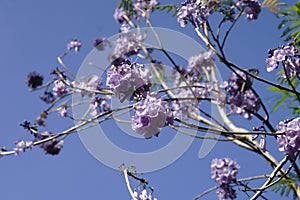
191,85
252,8
287,56
142,7
34,80
289,142
196,11
120,15
59,88
100,104
144,196
189,97
62,111
47,97
100,43
74,44
150,114
52,147
199,65
240,96
21,145
128,43
41,119
128,79
224,172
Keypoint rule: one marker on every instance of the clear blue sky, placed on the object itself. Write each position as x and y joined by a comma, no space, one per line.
33,33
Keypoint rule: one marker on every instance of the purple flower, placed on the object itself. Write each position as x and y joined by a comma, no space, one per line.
150,115
144,195
238,82
292,66
289,142
100,104
41,120
245,103
144,6
62,111
119,15
198,65
287,56
189,98
272,64
59,88
104,104
94,108
192,85
128,43
224,172
74,44
52,147
242,100
225,191
252,8
47,97
21,145
126,79
195,11
34,80
99,43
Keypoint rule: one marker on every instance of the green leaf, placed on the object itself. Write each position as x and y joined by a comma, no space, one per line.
290,28
284,186
283,22
274,6
292,24
167,7
275,89
278,104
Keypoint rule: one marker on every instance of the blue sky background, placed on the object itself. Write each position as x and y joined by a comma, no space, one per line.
33,33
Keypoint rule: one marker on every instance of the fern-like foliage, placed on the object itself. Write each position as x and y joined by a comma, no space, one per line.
127,5
274,6
286,99
291,24
167,8
284,187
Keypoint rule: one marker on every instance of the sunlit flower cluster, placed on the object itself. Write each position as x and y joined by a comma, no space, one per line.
59,88
120,15
128,43
196,11
74,44
143,7
224,172
150,115
287,55
127,80
192,85
289,142
240,96
22,145
252,8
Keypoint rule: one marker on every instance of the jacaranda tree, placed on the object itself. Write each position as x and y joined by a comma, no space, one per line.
160,92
